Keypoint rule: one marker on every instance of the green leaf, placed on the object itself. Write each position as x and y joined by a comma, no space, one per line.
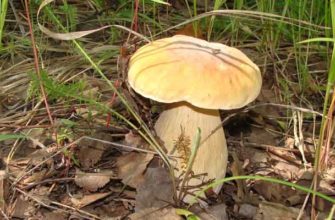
189,215
11,136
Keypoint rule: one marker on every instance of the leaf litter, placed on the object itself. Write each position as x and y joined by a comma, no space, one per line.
113,182
131,168
92,181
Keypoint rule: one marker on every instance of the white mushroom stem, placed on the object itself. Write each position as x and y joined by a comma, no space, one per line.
211,158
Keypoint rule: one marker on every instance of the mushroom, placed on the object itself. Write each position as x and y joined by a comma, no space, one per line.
196,78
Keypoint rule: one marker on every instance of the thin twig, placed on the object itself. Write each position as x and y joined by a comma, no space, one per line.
18,20
66,179
81,213
127,147
37,68
4,214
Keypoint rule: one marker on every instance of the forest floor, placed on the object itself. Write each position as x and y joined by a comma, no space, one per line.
67,154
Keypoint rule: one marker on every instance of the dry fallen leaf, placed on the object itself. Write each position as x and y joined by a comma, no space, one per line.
92,181
155,213
90,152
88,199
112,210
132,166
272,191
269,210
41,193
35,177
286,170
216,212
237,170
156,190
188,30
20,208
133,140
88,156
247,211
261,136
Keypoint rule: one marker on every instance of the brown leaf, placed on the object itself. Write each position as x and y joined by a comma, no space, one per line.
156,213
216,212
54,215
90,152
35,177
88,199
189,30
131,167
156,190
113,210
269,210
247,211
286,170
258,135
272,191
133,140
92,181
237,170
88,156
41,193
20,208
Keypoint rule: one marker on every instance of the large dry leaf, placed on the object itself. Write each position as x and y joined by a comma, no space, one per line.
92,181
88,199
155,213
286,170
41,193
216,212
88,156
112,210
268,210
272,191
20,208
247,211
156,190
132,166
90,151
133,140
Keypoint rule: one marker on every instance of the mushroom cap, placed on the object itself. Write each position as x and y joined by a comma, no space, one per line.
207,75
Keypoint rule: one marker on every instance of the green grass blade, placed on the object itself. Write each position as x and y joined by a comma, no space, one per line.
161,2
3,12
4,137
318,39
268,179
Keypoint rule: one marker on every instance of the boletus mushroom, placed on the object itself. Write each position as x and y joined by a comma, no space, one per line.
196,78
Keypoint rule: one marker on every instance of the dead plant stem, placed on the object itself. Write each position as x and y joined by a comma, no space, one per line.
36,61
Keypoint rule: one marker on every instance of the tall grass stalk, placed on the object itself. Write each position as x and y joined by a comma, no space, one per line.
329,91
217,5
280,24
195,13
3,12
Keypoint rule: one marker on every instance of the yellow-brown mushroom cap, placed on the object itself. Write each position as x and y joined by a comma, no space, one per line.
207,75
